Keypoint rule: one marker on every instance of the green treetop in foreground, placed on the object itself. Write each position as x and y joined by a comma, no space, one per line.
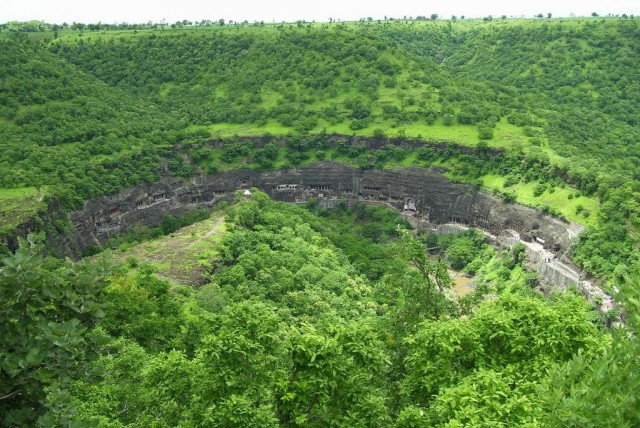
289,331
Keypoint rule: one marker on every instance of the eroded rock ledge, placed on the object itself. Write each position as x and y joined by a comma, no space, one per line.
431,196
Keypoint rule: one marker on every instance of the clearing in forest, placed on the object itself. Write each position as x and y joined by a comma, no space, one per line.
182,256
18,205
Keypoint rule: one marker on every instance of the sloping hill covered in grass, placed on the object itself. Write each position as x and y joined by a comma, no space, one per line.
272,314
88,113
180,257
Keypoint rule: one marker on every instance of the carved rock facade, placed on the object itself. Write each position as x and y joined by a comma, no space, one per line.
428,194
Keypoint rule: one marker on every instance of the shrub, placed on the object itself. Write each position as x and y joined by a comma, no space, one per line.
485,132
511,180
447,119
539,189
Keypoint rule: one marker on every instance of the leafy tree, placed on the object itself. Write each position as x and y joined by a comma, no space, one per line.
49,315
601,389
485,131
485,370
421,293
142,310
333,379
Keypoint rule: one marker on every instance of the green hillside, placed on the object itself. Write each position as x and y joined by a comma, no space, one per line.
86,113
306,319
271,314
264,314
558,82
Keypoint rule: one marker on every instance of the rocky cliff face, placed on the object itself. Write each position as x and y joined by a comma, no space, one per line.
427,194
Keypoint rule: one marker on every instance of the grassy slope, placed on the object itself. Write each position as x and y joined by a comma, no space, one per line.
18,205
559,199
505,135
182,256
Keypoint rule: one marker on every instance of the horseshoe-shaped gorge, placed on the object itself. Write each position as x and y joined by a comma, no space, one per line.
250,178
425,198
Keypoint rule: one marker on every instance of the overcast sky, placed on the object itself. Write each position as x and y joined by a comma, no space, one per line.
131,11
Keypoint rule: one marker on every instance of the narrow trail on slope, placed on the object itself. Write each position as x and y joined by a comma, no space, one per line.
176,257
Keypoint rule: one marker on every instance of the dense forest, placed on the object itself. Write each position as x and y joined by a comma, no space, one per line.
302,316
307,318
85,113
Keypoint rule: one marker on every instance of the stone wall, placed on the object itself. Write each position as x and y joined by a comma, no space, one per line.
426,198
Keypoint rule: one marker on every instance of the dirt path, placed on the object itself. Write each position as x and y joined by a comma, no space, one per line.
178,256
215,228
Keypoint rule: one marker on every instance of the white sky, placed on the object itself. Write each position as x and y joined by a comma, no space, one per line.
132,11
